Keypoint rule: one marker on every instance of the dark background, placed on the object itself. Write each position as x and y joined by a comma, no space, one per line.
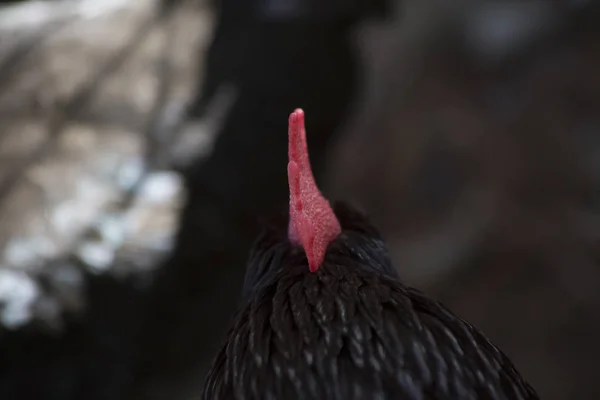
469,131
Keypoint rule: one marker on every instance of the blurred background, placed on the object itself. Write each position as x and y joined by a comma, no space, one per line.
141,141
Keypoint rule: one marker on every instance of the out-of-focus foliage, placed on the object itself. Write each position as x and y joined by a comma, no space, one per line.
474,149
476,152
79,96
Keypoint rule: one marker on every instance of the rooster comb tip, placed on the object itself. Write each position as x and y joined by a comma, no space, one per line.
313,224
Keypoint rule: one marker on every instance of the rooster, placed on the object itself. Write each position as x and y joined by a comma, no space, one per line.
325,316
257,46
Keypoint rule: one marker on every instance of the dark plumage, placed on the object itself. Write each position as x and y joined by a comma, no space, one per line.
257,53
350,330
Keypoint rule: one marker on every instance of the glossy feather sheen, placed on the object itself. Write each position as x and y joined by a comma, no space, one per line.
350,331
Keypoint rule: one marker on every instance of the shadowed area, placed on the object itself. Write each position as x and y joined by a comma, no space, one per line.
142,144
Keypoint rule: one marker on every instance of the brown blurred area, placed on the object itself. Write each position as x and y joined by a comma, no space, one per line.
474,147
479,162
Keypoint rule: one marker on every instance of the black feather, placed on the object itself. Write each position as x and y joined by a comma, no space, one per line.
351,330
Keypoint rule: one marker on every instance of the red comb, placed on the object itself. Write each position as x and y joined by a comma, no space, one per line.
313,223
